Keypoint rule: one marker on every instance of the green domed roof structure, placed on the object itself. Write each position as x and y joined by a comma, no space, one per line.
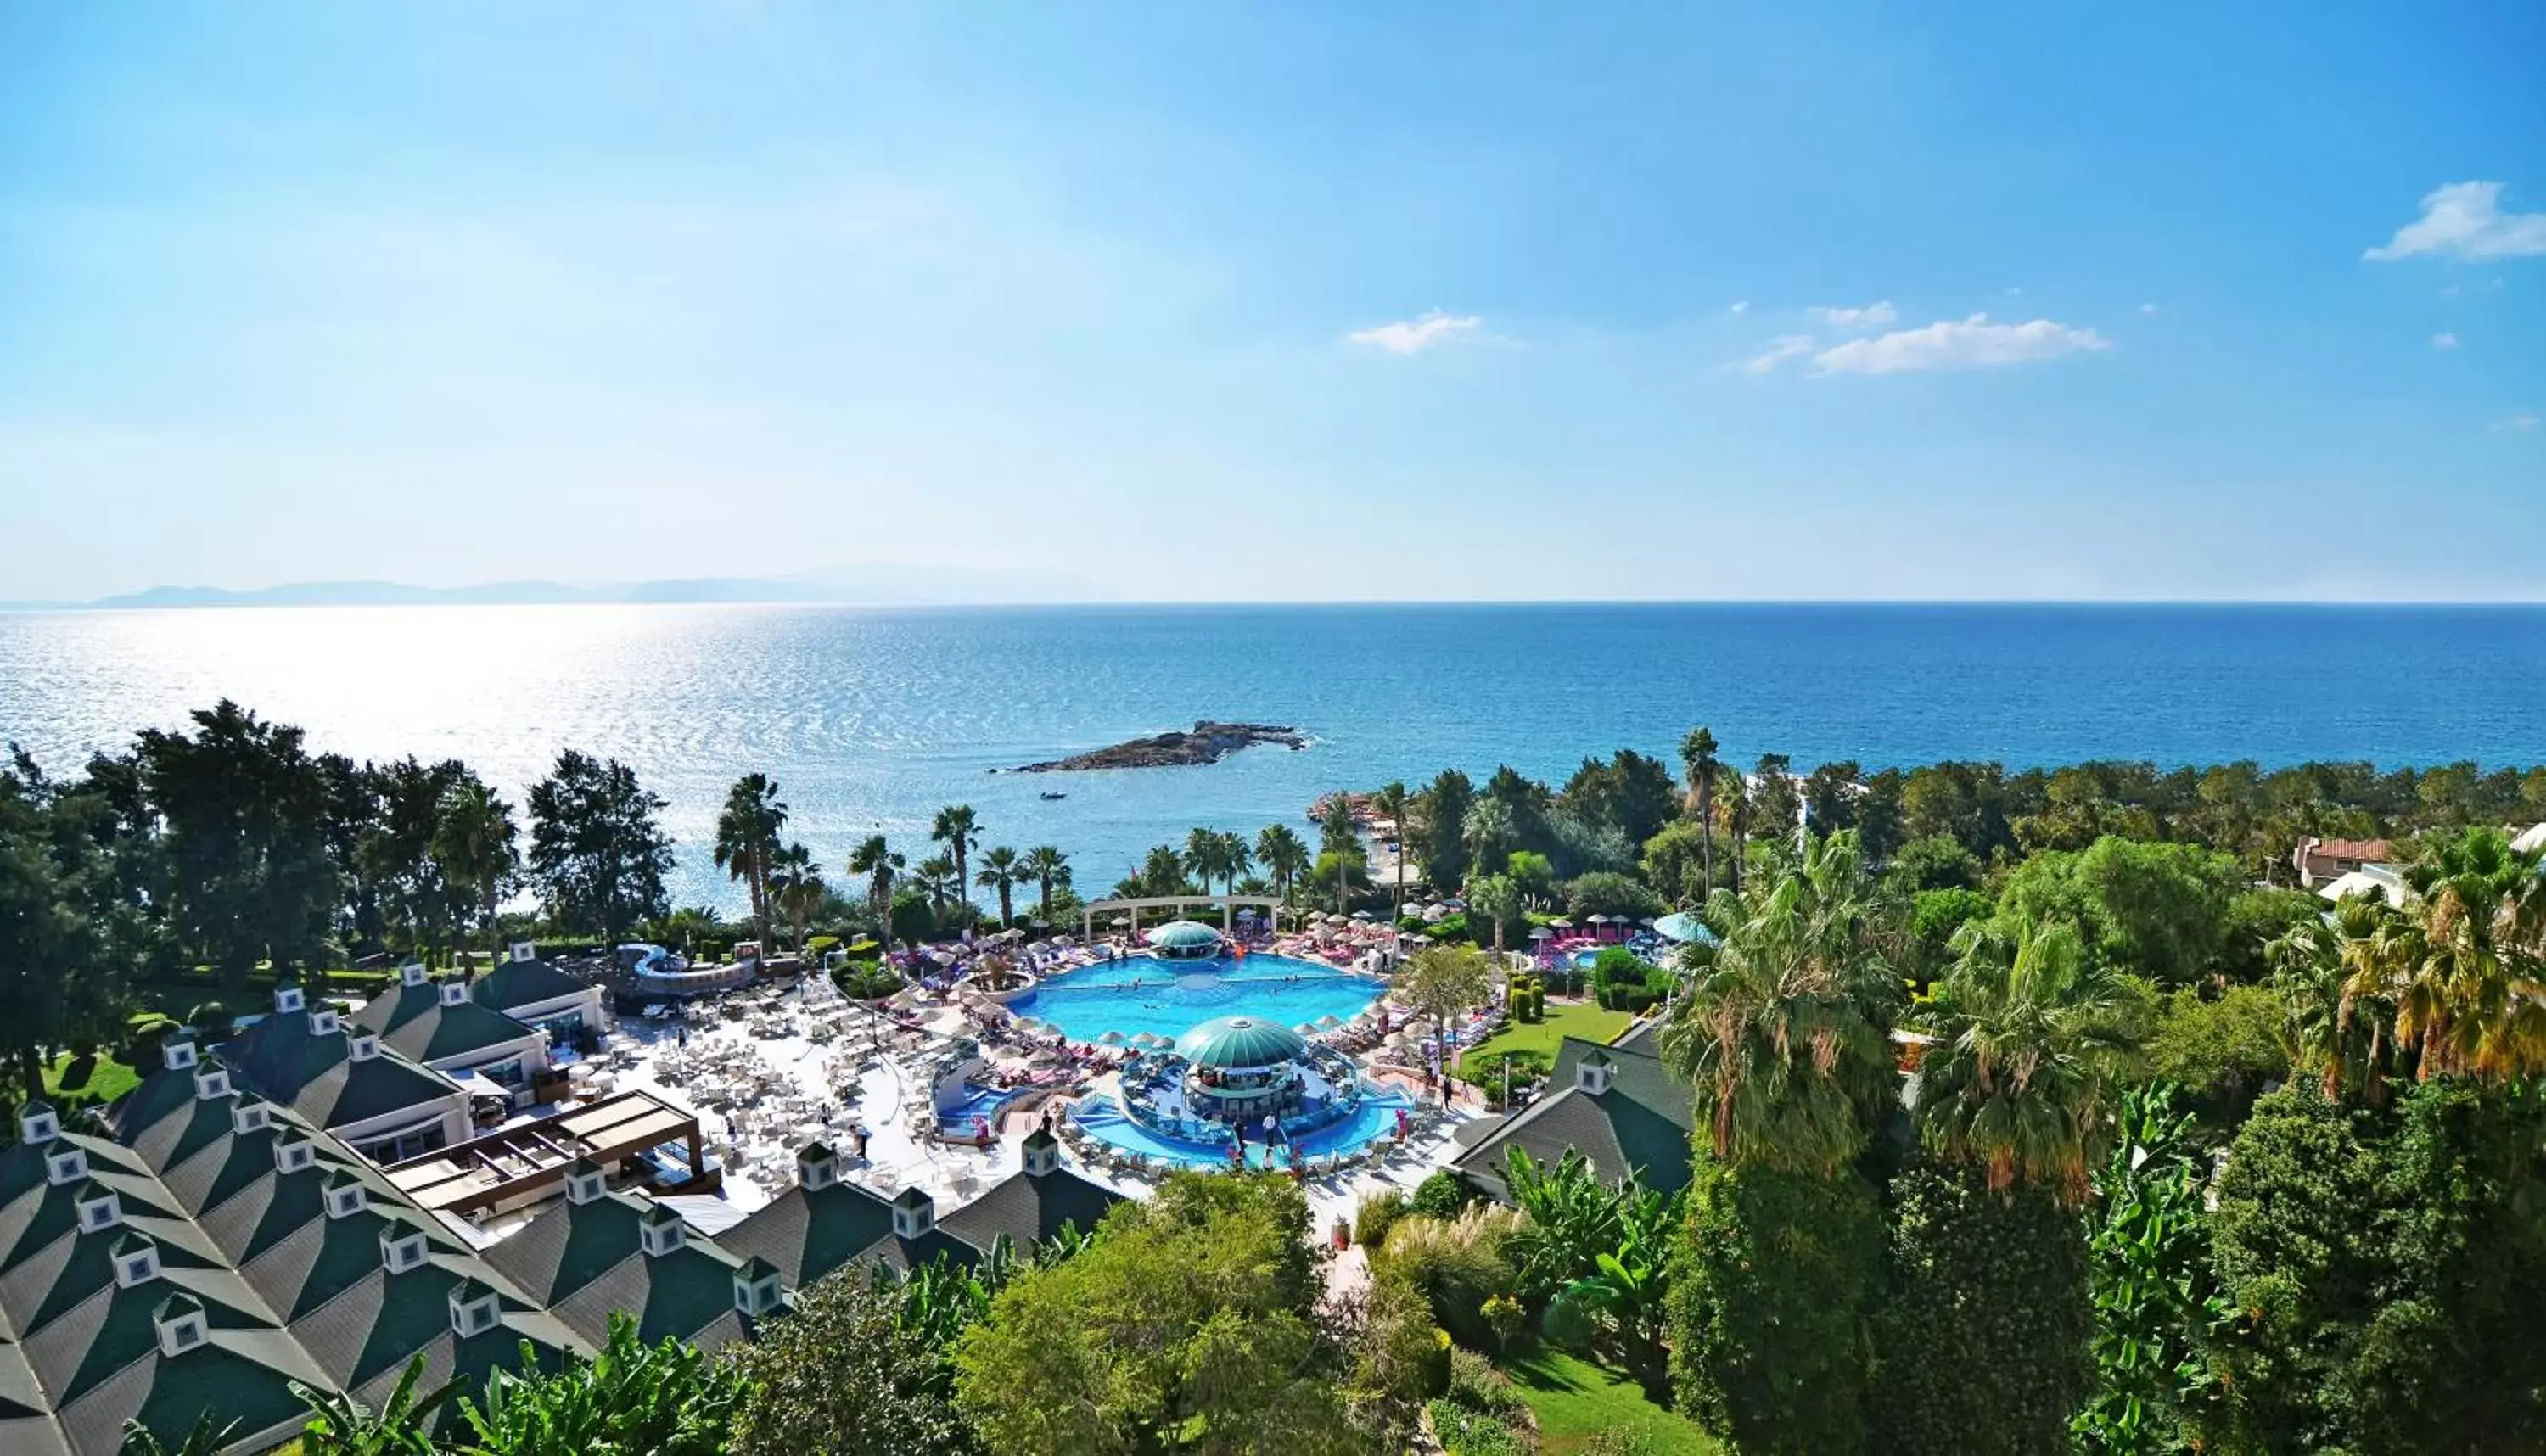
1183,936
1238,1043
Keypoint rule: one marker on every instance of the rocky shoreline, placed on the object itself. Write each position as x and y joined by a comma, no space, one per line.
1208,743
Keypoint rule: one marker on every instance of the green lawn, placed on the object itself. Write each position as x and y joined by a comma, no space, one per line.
1575,1401
101,1075
1583,1019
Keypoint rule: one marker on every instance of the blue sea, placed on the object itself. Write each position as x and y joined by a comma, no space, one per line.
872,719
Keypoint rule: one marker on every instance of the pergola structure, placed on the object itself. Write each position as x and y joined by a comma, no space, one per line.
1227,904
520,1163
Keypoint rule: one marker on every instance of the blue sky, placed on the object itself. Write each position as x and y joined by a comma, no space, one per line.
1353,301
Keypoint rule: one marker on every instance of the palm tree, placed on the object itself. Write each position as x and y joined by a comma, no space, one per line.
955,828
2477,1002
2023,1083
746,839
1001,871
1497,897
1235,860
1050,869
473,843
796,888
1284,856
1443,982
938,881
1697,755
1162,871
878,863
1392,803
1205,853
1487,831
1784,1027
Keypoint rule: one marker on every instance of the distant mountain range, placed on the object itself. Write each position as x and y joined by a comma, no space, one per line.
856,587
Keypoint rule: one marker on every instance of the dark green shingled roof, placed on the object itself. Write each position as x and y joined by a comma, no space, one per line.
1641,1123
516,983
1028,1209
413,1020
807,1235
280,1058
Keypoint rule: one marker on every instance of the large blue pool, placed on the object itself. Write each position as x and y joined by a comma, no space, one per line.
1168,997
1376,1117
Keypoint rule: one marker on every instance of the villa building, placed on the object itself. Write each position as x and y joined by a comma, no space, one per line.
542,997
2321,861
440,1025
340,1078
1615,1104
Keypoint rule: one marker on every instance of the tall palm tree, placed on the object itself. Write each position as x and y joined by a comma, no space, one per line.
937,880
1497,898
1392,803
746,839
1697,755
1162,871
1049,870
2022,1084
1001,871
1235,860
2337,977
473,843
873,859
1205,853
2477,1002
1488,830
1283,855
796,888
955,828
1784,1028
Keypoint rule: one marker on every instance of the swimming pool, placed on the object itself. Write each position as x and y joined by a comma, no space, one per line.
1168,999
1102,1118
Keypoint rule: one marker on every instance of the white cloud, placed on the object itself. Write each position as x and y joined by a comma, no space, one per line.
2444,341
2148,307
1781,349
1872,315
1740,306
2525,420
1974,343
1414,335
2465,219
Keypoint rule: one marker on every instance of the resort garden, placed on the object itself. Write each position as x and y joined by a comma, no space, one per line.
2035,1110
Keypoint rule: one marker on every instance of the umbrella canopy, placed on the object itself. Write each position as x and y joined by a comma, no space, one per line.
1183,936
1562,923
1151,1039
1682,927
1541,932
1112,1039
1306,1028
1329,1021
1237,1043
1595,920
1435,912
1361,914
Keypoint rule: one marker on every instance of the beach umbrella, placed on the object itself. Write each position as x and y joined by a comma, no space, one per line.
1306,1028
1423,940
1361,914
1328,1022
1562,923
1541,932
1112,1039
1682,927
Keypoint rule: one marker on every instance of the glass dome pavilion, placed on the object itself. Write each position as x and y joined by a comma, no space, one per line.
1240,1066
1184,940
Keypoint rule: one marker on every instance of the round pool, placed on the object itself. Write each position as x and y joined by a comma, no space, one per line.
1168,998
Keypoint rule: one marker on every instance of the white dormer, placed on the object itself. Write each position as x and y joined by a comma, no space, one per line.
177,1054
454,991
584,1182
211,1079
137,1259
292,1152
345,1196
523,950
473,1309
411,974
66,1164
98,1208
660,1232
816,1167
180,1321
287,999
36,1124
1593,1072
914,1213
401,1248
322,1021
755,1287
251,1116
1042,1153
363,1046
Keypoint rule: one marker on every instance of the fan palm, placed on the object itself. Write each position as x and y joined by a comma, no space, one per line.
746,839
1392,803
2477,1002
1784,1026
473,843
796,888
956,831
2023,1081
1049,868
1697,755
1487,832
1235,860
1283,855
1205,855
937,880
1001,871
873,859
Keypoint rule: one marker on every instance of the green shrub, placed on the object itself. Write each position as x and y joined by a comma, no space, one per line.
1456,1263
1453,926
1475,1385
1465,1432
1442,1196
1377,1215
820,945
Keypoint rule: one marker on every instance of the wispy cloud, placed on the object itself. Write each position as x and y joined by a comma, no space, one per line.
2525,420
2444,341
2148,307
1872,315
1781,349
1414,335
1974,343
2463,219
1740,306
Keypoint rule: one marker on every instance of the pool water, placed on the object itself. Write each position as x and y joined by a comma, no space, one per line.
1170,997
1375,1118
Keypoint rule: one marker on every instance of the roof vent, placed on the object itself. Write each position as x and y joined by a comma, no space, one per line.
211,1082
584,1182
345,1196
137,1259
1592,1073
37,1123
473,1309
67,1165
755,1287
98,1208
177,1054
251,1116
411,974
454,991
659,1232
287,998
363,1046
816,1167
292,1153
180,1321
914,1213
401,1248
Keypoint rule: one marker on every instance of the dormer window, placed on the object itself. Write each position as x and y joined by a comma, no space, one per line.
38,1124
1592,1073
473,1309
411,974
401,1248
293,1155
345,1198
180,1321
662,1232
524,950
755,1287
250,1117
69,1166
99,1209
454,992
584,1182
363,1046
1041,1151
914,1213
211,1082
136,1260
816,1167
177,1054
287,999
322,1023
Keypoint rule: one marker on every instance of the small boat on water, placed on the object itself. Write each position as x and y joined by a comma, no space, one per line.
1054,793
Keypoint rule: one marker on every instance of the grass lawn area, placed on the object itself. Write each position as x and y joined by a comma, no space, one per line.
101,1075
1576,1400
1583,1019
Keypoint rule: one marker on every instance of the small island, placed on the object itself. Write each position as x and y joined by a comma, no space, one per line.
1208,743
